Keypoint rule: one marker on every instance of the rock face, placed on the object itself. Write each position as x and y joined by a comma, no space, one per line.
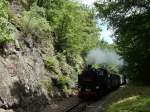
21,74
25,82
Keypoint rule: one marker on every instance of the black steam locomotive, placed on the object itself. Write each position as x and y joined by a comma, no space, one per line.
93,83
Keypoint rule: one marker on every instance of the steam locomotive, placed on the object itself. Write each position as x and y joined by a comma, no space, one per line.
93,83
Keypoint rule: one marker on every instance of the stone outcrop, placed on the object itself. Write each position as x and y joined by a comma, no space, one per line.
26,85
25,82
21,75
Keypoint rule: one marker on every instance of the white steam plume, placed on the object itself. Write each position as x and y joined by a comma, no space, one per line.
103,56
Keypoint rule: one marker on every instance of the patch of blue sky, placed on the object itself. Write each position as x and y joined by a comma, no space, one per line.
105,34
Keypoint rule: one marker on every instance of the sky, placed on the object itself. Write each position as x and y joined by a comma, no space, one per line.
88,2
105,34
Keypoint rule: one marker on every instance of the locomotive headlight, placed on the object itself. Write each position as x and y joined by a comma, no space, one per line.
97,87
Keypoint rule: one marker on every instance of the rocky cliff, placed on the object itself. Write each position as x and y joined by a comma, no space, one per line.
26,82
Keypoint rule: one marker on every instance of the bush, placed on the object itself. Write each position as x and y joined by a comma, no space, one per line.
6,28
34,22
61,57
64,82
76,61
6,31
3,8
51,64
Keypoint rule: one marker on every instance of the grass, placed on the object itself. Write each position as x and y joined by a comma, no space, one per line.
129,99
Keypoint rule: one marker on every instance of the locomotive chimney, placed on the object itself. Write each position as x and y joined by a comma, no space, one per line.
89,66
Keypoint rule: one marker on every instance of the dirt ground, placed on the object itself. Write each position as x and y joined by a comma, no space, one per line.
61,105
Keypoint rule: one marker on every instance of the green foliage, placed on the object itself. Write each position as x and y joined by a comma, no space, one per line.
77,34
54,11
6,28
3,8
6,31
131,35
75,60
129,99
64,82
133,104
34,22
112,68
27,3
61,57
74,26
51,64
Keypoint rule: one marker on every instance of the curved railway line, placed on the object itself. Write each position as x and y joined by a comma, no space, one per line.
80,107
89,106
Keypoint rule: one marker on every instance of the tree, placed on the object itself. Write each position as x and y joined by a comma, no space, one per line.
71,25
74,26
130,21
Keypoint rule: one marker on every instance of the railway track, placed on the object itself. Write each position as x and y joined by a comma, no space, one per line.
88,106
80,107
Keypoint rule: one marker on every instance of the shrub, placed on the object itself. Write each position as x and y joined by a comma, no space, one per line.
6,28
64,82
34,22
3,8
61,57
6,31
51,64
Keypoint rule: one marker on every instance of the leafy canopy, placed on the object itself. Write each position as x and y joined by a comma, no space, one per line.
130,21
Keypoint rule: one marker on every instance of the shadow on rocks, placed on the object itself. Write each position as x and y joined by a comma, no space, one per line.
30,98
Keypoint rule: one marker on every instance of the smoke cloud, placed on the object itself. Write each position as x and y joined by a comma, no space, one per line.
103,56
